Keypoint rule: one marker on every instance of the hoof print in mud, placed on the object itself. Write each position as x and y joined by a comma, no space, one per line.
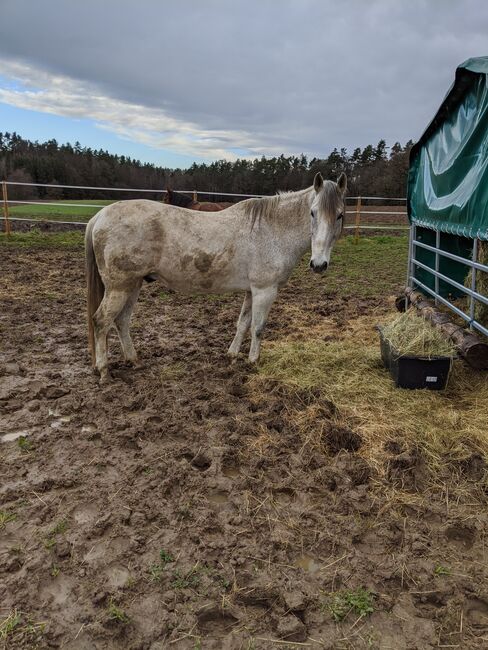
338,438
215,619
259,596
357,469
408,470
461,535
473,467
291,628
200,461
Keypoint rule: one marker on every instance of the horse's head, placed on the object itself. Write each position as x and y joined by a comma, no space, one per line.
180,200
327,212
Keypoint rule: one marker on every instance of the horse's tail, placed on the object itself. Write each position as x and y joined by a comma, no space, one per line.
94,286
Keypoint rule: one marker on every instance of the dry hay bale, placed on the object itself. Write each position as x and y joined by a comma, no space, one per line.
480,310
410,334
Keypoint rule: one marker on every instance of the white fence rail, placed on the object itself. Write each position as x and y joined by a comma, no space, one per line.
357,210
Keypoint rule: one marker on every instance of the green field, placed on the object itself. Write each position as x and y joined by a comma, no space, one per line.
82,211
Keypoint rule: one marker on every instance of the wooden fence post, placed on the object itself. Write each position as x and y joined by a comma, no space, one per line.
358,220
5,208
195,196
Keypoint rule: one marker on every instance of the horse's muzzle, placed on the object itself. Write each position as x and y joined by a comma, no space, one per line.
318,268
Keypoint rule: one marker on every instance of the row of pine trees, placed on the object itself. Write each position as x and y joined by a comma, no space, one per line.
372,171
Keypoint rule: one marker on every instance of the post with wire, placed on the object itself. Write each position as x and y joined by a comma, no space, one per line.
5,208
358,220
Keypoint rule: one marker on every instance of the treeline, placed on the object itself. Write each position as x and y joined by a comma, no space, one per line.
372,171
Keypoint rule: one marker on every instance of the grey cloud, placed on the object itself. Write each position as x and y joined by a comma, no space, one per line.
294,75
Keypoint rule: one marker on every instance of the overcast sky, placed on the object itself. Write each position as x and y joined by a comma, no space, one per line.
172,81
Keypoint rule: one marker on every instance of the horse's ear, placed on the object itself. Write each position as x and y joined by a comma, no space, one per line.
342,183
318,182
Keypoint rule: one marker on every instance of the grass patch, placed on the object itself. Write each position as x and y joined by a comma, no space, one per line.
5,517
55,570
342,603
11,627
156,570
8,625
442,570
24,444
198,577
116,614
81,211
189,580
58,529
349,373
71,239
369,268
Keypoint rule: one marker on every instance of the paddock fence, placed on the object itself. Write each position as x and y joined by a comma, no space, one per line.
472,294
390,215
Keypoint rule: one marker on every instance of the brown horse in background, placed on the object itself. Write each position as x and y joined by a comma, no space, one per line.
184,201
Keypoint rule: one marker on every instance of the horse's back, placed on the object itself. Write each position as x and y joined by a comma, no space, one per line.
209,207
138,238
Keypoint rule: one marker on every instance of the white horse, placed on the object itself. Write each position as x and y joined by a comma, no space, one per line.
252,246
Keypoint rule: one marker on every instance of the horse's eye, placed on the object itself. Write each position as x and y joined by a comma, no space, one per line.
340,216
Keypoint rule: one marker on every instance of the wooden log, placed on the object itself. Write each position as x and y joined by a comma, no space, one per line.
472,348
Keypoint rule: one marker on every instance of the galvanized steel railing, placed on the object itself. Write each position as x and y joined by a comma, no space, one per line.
470,292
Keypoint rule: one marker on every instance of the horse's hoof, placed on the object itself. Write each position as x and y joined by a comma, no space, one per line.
105,378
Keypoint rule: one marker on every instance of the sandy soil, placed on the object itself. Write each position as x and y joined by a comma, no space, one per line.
144,515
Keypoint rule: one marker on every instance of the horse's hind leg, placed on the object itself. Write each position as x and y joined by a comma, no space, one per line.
262,299
112,304
242,325
122,322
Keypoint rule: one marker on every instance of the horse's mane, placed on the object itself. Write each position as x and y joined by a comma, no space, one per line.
261,208
331,199
266,208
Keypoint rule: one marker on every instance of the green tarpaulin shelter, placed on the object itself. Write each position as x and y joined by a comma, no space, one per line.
448,175
447,194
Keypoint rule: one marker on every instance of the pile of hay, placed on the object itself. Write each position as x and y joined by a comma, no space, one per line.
349,373
410,334
481,310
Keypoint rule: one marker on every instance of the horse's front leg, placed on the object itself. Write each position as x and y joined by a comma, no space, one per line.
242,326
262,299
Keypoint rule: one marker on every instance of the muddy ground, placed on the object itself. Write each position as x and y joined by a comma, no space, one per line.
144,515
